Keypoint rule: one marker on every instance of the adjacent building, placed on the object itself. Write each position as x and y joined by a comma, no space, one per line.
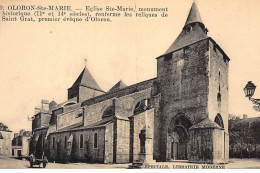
20,143
182,114
5,140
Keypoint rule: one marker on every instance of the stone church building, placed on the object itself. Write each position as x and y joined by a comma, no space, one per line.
182,114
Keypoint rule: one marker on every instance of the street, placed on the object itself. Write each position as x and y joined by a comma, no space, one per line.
12,163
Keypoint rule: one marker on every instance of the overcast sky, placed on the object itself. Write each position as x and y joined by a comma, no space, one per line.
42,60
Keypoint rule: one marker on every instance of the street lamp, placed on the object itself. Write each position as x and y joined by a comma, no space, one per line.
249,89
249,92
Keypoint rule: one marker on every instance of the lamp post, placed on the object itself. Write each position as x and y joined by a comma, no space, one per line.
249,92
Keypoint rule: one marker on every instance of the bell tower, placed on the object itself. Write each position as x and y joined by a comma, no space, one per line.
85,87
193,77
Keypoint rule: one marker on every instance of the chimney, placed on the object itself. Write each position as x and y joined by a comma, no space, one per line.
45,105
244,116
37,109
21,132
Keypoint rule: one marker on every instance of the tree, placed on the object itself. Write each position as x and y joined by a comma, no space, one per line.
238,135
244,135
255,134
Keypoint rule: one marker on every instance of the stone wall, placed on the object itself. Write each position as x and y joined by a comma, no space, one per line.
109,143
83,93
123,139
73,92
69,118
218,146
25,145
6,143
157,127
218,75
41,120
184,88
206,145
200,148
123,92
125,105
88,153
45,119
226,147
141,121
57,141
93,113
86,93
38,142
36,122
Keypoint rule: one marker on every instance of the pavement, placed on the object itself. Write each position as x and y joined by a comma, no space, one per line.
12,163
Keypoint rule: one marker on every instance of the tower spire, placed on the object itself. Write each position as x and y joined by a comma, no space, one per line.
85,62
194,15
193,30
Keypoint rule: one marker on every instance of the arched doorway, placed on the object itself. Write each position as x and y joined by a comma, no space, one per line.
178,137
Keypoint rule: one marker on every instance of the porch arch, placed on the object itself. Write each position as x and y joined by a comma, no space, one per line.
177,141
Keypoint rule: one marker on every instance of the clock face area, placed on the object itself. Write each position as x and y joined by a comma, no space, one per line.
180,63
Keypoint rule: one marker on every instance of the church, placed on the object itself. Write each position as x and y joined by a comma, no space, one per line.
182,114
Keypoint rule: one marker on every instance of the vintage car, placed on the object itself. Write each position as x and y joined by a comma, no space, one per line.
34,161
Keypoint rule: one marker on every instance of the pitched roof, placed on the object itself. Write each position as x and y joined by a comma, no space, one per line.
79,126
57,106
194,15
196,34
124,91
4,128
119,85
69,128
206,124
52,104
86,79
41,128
100,123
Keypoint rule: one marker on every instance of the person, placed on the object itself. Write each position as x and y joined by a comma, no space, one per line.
32,157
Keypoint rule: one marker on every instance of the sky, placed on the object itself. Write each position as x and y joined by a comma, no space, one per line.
42,60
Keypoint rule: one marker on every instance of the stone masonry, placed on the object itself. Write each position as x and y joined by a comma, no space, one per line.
182,114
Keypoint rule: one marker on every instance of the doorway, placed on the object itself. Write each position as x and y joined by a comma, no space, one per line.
178,138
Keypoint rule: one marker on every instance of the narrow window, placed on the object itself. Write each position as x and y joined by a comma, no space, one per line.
65,142
81,141
95,140
219,97
53,142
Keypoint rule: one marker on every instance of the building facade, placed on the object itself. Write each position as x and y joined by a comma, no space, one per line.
182,114
5,140
21,143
